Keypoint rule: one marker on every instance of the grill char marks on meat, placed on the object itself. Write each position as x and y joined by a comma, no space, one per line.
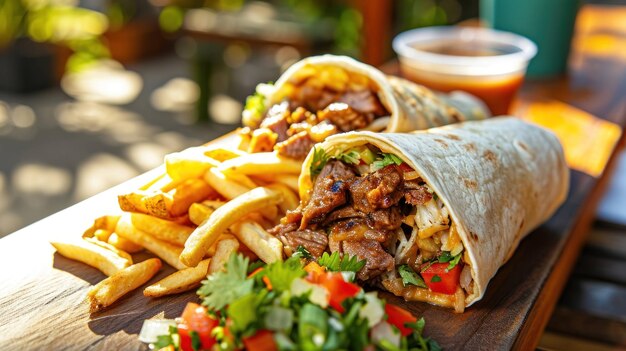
416,193
314,241
329,192
296,147
381,189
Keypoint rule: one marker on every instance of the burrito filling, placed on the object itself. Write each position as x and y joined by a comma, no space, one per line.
318,101
372,205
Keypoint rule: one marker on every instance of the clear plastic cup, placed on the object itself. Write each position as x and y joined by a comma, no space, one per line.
487,63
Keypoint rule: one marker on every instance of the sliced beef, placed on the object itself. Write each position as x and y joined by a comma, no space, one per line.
329,192
377,260
381,189
343,213
283,228
416,193
385,218
276,120
345,117
296,147
313,98
364,101
315,241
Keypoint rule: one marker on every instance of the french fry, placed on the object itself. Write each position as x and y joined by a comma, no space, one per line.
290,199
262,243
224,186
124,244
241,179
222,154
289,180
164,184
261,163
105,293
179,281
199,212
176,202
208,232
102,235
161,228
152,182
225,247
103,222
166,251
270,213
110,247
106,261
190,163
133,202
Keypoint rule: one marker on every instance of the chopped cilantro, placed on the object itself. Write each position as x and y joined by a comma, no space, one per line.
435,279
165,340
224,287
319,161
336,263
388,159
303,252
446,256
243,312
281,274
454,261
410,277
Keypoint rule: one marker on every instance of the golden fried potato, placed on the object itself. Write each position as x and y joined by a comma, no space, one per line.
208,232
166,251
107,261
105,293
225,247
110,247
179,281
124,244
259,241
226,187
261,163
160,228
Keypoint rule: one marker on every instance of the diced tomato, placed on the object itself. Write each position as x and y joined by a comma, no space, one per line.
195,318
404,167
447,281
399,317
338,289
314,271
263,340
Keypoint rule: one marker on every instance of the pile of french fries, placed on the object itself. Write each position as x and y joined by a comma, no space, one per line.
210,202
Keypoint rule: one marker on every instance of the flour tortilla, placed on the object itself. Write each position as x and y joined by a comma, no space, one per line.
411,106
499,179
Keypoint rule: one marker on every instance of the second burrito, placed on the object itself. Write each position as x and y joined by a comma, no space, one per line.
325,95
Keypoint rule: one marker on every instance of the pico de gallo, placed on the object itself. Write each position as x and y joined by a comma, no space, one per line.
292,305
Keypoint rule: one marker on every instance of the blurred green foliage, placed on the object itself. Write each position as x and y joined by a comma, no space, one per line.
58,22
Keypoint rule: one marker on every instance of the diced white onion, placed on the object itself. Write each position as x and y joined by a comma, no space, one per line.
384,331
154,327
372,310
319,295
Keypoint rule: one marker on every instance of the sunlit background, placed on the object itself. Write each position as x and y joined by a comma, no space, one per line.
95,92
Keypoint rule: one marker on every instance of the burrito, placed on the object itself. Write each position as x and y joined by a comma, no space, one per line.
433,213
325,95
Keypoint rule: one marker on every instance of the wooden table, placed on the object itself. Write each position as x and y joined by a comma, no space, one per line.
42,294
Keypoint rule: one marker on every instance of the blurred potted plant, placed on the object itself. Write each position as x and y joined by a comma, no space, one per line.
27,30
